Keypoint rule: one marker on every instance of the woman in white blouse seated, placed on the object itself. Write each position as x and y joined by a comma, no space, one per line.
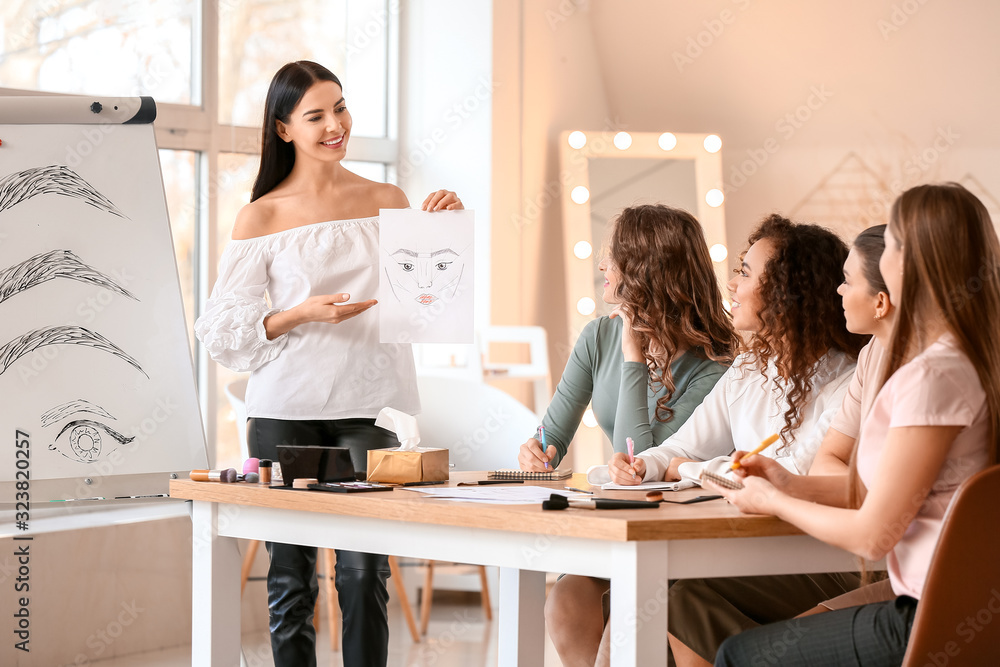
281,308
791,379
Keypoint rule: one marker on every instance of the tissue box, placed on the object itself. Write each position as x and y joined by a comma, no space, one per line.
396,466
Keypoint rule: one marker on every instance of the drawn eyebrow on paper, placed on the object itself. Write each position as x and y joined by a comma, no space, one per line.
62,335
53,179
48,266
60,412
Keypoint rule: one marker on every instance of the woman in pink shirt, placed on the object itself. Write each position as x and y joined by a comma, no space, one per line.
934,423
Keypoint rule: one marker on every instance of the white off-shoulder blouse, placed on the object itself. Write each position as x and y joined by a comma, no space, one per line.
316,370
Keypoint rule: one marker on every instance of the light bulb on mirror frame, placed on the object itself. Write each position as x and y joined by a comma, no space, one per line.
577,139
580,194
713,143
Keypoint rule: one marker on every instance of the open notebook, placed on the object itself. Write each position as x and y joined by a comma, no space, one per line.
549,476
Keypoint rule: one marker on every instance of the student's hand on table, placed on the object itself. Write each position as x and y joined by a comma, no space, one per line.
631,349
623,473
758,496
531,458
332,308
764,467
672,471
442,200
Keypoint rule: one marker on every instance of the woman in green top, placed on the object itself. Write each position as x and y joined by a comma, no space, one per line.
669,340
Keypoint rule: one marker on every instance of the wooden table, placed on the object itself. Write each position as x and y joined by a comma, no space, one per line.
639,550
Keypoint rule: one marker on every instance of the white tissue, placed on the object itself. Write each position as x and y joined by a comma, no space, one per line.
404,425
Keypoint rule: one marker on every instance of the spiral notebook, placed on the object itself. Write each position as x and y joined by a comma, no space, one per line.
549,476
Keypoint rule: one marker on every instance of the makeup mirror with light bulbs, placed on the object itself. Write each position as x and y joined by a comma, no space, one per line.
603,172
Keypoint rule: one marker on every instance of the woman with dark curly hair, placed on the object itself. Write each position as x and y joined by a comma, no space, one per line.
791,377
669,340
646,368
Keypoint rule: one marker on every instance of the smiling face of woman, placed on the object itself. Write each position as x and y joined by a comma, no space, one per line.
320,124
744,286
611,280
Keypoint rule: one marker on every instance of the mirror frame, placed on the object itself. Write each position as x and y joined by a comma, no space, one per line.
576,223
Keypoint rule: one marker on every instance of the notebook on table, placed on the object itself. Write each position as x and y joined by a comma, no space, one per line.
548,476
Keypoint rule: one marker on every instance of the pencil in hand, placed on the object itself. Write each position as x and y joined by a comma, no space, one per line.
761,447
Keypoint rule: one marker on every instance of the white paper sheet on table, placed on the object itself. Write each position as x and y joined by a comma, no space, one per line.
494,495
599,476
426,271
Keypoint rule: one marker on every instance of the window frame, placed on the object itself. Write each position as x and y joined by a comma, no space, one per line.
197,128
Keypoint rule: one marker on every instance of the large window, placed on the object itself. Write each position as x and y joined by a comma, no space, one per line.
207,64
120,48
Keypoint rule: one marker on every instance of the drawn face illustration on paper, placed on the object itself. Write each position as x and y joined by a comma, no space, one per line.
425,277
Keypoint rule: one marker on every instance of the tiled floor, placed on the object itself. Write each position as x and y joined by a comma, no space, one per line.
457,636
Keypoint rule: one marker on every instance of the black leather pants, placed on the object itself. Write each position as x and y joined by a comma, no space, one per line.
291,578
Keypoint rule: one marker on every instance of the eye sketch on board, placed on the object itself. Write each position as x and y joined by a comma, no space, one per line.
48,266
53,179
84,442
426,270
61,335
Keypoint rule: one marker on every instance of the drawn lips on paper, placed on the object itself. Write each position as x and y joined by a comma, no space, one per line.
426,299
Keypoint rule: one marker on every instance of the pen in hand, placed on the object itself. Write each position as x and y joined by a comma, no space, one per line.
541,436
768,441
631,454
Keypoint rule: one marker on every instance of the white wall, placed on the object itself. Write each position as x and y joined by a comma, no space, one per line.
445,115
901,92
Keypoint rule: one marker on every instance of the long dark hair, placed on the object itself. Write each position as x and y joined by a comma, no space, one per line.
802,318
669,290
951,264
287,87
870,243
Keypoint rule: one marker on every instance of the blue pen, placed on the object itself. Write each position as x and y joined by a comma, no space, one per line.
541,432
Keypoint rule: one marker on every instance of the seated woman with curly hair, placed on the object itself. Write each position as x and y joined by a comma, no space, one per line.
651,363
791,378
646,368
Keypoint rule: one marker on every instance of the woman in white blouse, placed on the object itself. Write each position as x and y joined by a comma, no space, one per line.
282,308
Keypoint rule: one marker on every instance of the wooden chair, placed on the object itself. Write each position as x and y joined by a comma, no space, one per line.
958,618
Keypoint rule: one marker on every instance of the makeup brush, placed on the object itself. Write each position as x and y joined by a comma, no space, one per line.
225,476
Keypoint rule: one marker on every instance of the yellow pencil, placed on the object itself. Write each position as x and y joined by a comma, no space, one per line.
767,441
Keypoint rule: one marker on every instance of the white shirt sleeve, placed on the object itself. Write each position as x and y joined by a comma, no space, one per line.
232,326
807,441
706,434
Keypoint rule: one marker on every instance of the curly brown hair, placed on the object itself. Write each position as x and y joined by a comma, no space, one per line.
669,291
801,316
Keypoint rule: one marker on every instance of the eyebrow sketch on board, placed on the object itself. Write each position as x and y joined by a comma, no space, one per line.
47,266
53,179
60,412
61,335
426,276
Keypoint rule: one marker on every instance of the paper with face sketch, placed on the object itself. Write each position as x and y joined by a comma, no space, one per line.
426,270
